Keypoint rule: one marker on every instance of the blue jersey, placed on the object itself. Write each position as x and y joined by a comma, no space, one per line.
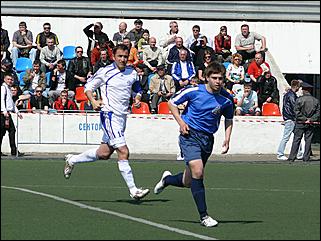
204,109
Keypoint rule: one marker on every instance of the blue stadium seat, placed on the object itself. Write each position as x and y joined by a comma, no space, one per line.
48,79
20,77
23,64
69,52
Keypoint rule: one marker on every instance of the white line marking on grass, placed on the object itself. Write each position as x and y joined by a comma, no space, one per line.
139,220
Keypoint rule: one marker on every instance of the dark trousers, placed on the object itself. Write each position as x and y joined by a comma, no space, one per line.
246,55
12,134
299,131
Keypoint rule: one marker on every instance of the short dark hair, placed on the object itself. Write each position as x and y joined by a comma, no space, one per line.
62,62
247,84
78,47
215,68
36,62
245,25
46,24
22,24
121,47
197,26
138,21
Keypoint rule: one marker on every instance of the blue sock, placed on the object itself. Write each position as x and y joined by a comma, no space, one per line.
198,192
176,180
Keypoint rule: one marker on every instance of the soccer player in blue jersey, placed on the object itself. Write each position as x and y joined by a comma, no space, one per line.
116,81
206,103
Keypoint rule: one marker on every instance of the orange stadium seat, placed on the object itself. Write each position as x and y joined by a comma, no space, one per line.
143,109
270,109
80,94
164,109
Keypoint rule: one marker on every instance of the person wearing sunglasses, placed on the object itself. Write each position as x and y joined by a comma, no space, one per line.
41,39
235,72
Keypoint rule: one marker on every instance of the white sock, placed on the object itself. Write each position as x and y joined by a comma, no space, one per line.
127,174
87,156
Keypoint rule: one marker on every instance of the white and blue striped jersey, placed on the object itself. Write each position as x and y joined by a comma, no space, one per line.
204,109
116,87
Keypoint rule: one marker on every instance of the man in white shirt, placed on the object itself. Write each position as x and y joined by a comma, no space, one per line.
117,82
8,107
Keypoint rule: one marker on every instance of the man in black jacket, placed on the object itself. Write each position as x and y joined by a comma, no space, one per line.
307,112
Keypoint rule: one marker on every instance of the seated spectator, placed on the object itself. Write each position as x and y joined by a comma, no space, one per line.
137,31
268,89
119,36
245,43
61,79
49,56
16,93
183,70
143,80
96,53
5,44
63,103
22,44
257,68
80,67
199,47
196,36
6,68
247,102
161,87
33,78
96,36
173,55
41,39
38,101
152,56
143,43
223,45
235,72
103,61
201,70
133,54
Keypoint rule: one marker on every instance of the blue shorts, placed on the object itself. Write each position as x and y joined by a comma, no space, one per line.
196,145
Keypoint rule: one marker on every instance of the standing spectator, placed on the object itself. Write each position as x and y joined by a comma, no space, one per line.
257,68
137,31
198,123
49,55
307,111
199,47
41,39
245,43
5,44
33,78
201,70
8,107
22,44
63,103
289,119
95,37
114,109
183,70
38,102
268,89
247,102
122,33
61,79
133,53
161,87
235,72
80,67
152,57
223,45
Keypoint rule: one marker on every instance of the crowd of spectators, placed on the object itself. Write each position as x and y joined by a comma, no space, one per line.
163,68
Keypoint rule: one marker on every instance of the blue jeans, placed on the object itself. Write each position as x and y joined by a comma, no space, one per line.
288,130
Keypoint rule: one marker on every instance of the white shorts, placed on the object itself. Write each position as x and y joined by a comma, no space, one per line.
114,128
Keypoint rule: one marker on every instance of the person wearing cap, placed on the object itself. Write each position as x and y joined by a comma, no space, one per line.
223,44
307,114
22,44
137,31
161,87
8,107
95,37
6,68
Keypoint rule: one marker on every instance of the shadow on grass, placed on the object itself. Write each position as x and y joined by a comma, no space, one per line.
220,221
130,201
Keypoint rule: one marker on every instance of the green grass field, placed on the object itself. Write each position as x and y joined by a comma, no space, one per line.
250,201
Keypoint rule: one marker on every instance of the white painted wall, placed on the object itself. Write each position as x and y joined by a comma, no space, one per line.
294,46
145,134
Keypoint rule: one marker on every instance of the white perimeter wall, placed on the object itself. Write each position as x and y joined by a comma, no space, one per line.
153,134
295,46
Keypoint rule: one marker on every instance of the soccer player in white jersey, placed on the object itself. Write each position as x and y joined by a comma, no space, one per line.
116,82
199,121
